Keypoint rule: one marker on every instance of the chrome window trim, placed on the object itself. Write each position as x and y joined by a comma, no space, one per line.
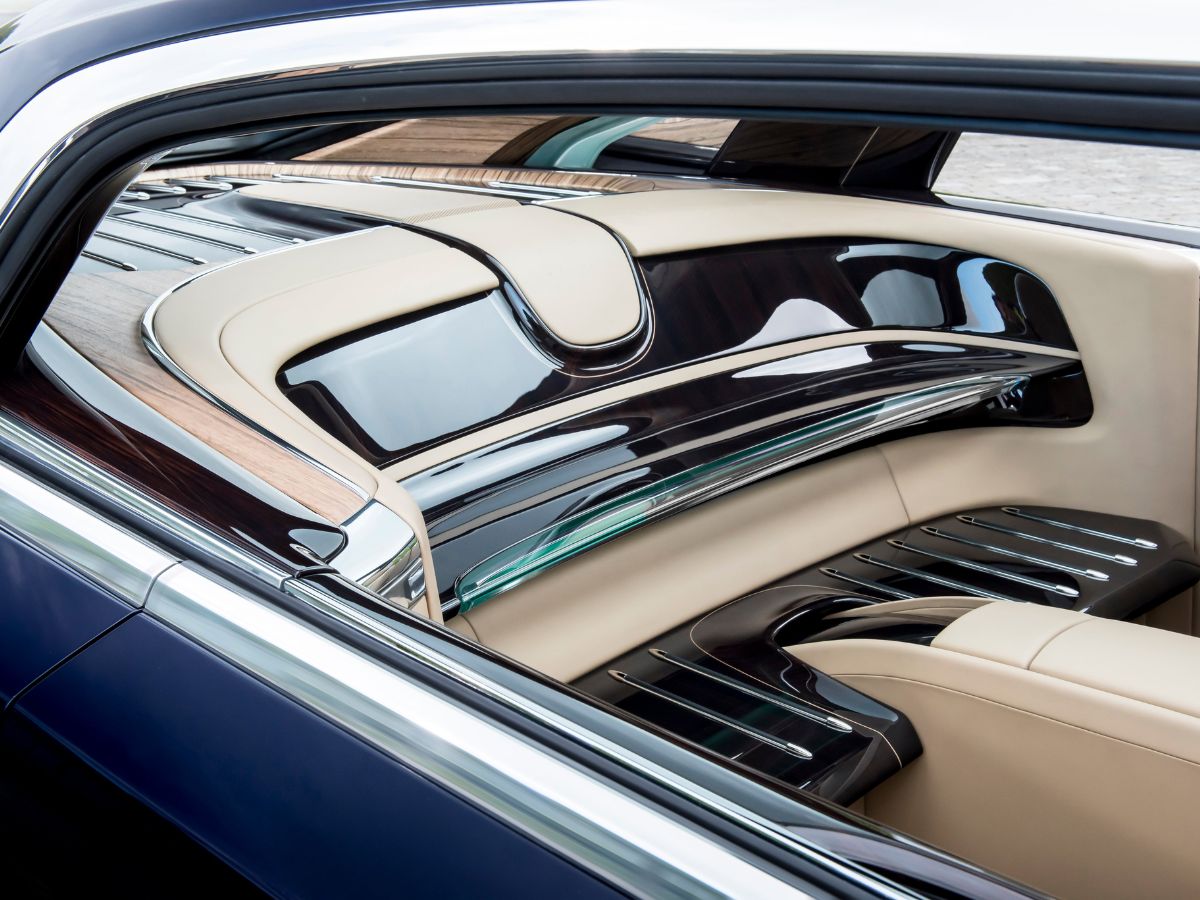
600,824
69,532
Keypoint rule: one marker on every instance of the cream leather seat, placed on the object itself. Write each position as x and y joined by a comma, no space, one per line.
1060,749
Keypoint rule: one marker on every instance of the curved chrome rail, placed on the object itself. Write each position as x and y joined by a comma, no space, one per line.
552,546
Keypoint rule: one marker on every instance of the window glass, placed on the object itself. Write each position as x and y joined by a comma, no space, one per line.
1151,183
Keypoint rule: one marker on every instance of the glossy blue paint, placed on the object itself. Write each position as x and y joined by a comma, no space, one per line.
46,613
295,803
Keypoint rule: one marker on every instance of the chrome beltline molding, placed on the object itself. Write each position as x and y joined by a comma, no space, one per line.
111,556
601,825
396,714
28,442
63,110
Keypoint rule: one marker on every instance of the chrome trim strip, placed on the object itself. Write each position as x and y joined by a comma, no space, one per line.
1118,558
383,554
66,464
1094,574
545,795
554,545
933,578
110,555
134,195
988,570
159,187
749,730
1079,529
108,260
547,191
142,245
867,583
204,184
208,223
791,705
614,751
180,233
516,192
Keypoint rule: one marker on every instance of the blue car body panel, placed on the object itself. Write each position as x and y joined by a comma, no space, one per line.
47,612
285,797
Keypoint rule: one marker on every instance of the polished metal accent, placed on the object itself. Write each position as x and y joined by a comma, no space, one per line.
933,578
549,797
988,570
1118,558
514,192
142,245
383,554
867,583
180,233
134,195
554,545
208,223
109,555
204,184
108,260
1079,529
546,190
159,187
1094,574
792,705
704,712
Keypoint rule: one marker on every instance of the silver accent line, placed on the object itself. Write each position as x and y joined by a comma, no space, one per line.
514,193
180,233
705,713
867,583
134,195
159,187
208,223
1119,558
110,555
204,184
791,705
987,570
142,245
934,578
108,260
1079,529
1094,574
556,544
114,490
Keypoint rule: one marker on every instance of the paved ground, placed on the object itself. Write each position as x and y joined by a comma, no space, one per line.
1138,182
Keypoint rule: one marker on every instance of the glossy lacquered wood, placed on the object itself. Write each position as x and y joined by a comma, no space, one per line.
477,365
482,502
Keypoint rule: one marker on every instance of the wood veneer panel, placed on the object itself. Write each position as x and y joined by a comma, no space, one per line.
100,316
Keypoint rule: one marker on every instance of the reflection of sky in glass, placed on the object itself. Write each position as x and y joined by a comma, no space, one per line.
918,251
795,318
982,312
899,297
505,462
384,381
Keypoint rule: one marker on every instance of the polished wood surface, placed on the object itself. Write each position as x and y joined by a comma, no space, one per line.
99,315
450,174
